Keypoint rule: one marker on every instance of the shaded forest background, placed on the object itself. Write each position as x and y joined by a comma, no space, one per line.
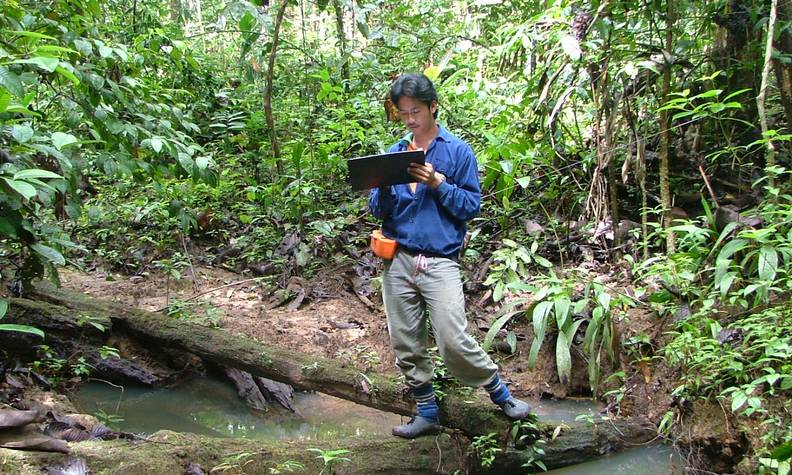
649,140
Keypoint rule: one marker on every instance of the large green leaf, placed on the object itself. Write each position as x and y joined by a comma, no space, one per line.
35,173
68,75
49,253
46,63
60,140
10,327
10,81
731,247
29,34
22,133
496,327
24,188
768,262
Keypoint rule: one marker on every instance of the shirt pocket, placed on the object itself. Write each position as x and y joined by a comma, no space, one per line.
443,165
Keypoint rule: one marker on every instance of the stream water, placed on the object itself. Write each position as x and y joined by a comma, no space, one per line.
211,407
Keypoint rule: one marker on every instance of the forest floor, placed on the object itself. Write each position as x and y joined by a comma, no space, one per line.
333,322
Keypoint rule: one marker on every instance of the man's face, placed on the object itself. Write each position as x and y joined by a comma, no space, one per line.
417,116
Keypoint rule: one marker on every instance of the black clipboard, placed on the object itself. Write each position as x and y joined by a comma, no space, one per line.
382,170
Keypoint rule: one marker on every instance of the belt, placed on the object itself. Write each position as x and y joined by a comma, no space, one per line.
415,252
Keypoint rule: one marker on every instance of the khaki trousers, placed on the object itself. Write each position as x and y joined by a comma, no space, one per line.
411,285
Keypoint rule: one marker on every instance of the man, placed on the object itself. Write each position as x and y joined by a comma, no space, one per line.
428,221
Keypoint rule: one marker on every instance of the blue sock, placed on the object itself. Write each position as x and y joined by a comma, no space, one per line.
426,402
498,392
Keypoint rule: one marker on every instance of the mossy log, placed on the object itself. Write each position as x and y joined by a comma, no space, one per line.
56,312
171,452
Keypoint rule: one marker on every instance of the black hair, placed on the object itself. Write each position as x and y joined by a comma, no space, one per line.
417,86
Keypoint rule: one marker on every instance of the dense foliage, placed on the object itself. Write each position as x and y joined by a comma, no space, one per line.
145,136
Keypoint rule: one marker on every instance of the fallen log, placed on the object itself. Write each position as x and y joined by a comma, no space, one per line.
461,410
171,452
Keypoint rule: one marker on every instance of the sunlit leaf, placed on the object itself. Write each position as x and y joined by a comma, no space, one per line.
24,188
35,173
11,82
60,140
10,327
44,62
22,133
571,47
68,75
49,253
29,34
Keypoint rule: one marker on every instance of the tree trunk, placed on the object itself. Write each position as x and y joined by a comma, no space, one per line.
171,452
760,99
783,70
276,153
665,132
736,52
470,414
342,42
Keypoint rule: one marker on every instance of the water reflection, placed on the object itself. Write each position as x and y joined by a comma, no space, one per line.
211,407
653,460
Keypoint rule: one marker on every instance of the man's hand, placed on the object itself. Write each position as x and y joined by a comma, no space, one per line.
426,174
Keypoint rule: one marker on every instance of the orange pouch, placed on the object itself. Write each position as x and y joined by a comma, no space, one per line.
381,246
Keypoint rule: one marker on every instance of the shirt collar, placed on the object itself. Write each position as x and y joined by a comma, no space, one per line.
442,134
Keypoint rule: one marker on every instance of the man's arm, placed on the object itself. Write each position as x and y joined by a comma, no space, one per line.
381,202
462,199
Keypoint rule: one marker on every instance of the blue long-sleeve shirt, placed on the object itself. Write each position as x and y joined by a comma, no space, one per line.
428,220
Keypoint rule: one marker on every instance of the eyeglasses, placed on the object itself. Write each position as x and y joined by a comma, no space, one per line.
405,114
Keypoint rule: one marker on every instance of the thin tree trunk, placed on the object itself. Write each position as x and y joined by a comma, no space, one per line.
665,132
784,70
342,42
276,153
762,97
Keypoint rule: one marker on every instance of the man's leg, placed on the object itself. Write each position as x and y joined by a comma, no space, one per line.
408,332
441,287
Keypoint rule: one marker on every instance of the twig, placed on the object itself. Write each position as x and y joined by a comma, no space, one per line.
118,404
709,186
214,289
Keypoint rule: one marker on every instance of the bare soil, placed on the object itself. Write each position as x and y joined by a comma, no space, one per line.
337,324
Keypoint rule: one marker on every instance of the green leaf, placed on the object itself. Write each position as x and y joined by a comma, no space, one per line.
782,452
22,133
156,144
11,82
10,327
55,49
5,100
60,140
731,247
68,75
44,62
321,5
768,262
49,253
495,328
25,189
3,308
35,173
363,28
563,358
433,72
29,34
738,399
